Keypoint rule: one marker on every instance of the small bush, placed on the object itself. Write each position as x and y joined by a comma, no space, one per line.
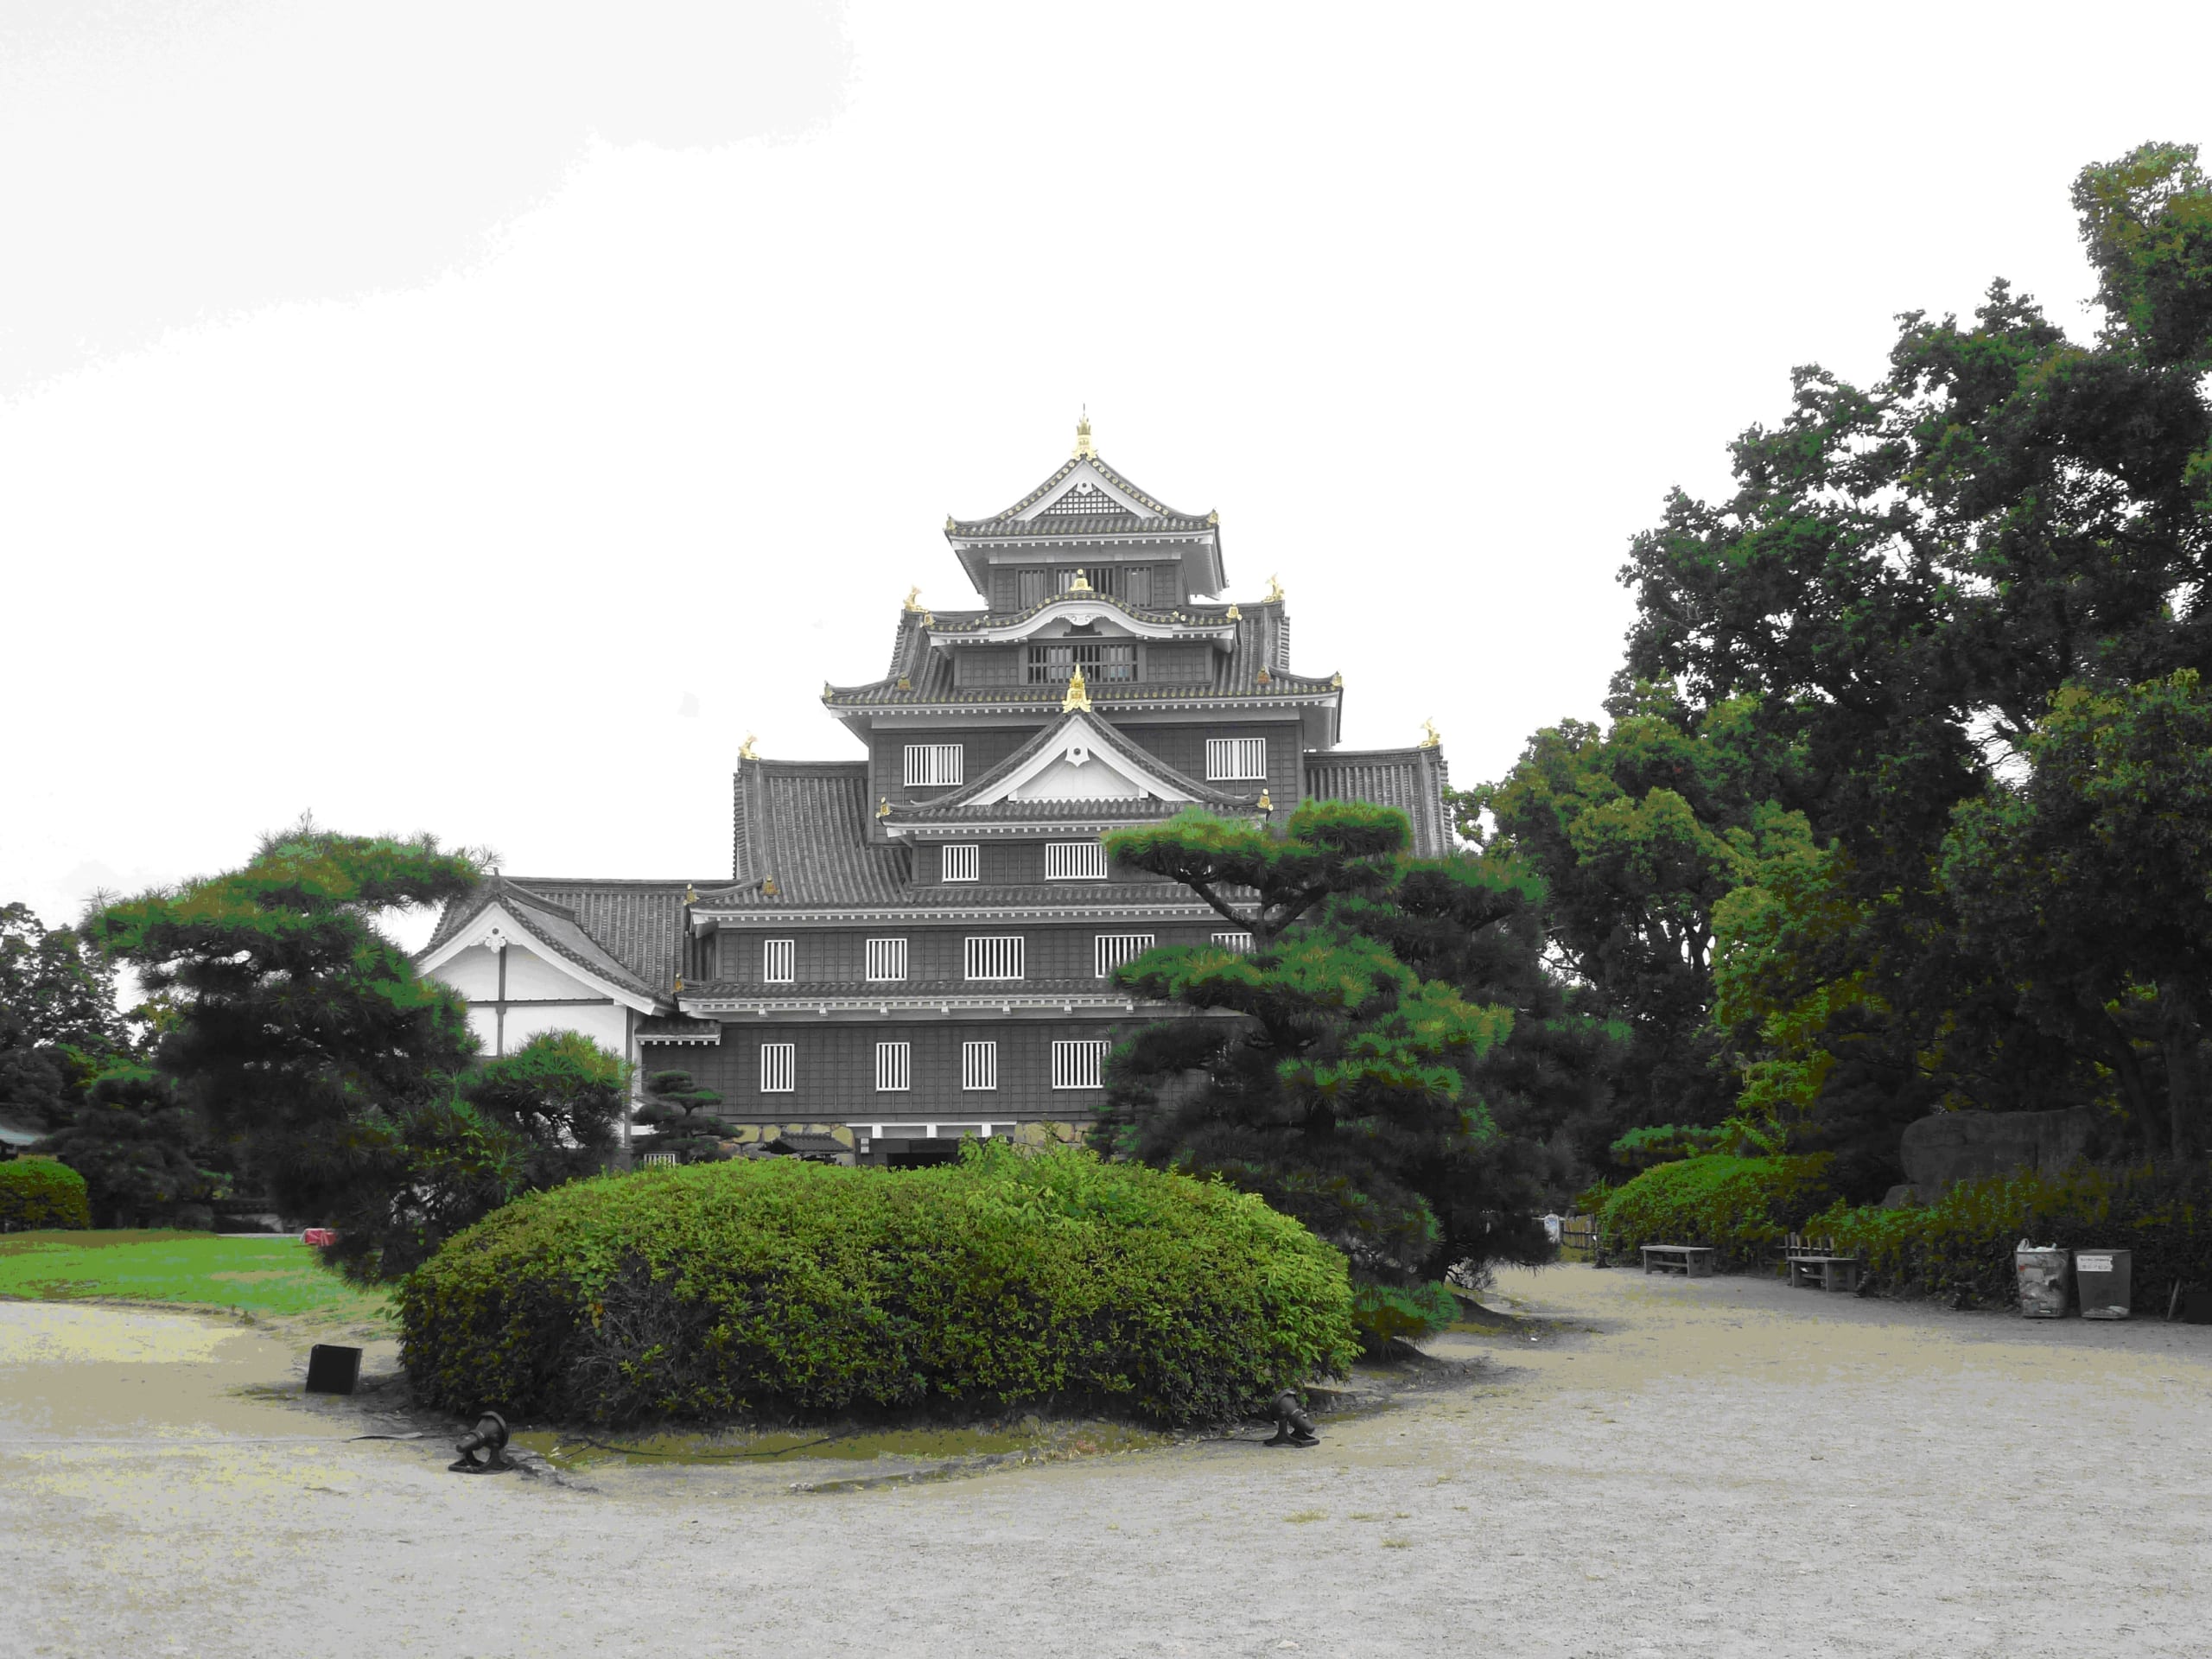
1961,1246
1740,1207
41,1192
774,1286
1382,1315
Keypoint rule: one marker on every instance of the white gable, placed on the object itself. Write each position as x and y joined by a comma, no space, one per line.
1086,763
1084,491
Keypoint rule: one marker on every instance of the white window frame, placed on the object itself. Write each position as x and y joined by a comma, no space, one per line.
886,960
1236,759
779,962
1110,950
979,1065
1075,860
960,860
1239,942
1079,1062
935,765
894,1068
779,1068
994,956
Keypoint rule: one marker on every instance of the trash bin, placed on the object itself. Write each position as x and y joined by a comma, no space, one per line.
2041,1273
2103,1283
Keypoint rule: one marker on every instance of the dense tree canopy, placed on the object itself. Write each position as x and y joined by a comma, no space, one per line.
1896,669
57,1018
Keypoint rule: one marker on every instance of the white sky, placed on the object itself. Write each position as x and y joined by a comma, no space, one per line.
479,419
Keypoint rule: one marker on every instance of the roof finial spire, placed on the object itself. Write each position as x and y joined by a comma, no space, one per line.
1077,700
1083,451
1432,739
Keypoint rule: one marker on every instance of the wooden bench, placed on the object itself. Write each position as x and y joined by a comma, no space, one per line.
1691,1261
1809,1271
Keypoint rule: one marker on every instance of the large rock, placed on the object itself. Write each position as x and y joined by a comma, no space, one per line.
1973,1146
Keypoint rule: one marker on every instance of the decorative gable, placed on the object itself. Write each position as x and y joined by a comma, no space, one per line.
1084,492
1084,761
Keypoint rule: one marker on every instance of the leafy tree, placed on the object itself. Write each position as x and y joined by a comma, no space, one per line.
1905,576
139,1150
1334,1090
562,1095
1639,831
2090,882
57,1018
681,1115
301,1034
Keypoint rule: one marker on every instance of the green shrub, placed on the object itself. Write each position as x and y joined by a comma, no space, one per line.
41,1192
1738,1205
1382,1314
774,1286
1662,1143
1961,1246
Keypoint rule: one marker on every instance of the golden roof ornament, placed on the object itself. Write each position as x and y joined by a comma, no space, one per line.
951,523
1084,448
929,618
1266,679
1235,614
745,749
1274,591
1267,802
1432,739
1077,700
1336,682
905,684
1214,518
679,981
690,893
883,807
1081,584
769,889
915,591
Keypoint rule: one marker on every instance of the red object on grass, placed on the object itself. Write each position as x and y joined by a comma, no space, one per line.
318,1236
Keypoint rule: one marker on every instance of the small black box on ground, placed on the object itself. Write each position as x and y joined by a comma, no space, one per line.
333,1369
2196,1306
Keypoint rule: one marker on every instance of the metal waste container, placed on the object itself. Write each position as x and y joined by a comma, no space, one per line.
2103,1283
2041,1273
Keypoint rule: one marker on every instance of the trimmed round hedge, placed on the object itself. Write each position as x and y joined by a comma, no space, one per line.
42,1192
774,1286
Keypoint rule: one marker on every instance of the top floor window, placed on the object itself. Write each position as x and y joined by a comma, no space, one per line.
1229,759
1056,664
932,764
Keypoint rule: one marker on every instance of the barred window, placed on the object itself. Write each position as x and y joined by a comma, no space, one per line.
887,959
778,961
894,1067
1239,943
998,956
1234,758
962,864
1074,861
1078,1065
979,1065
1101,663
1111,950
929,765
779,1068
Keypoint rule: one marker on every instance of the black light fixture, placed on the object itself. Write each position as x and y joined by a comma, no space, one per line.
1292,1425
489,1436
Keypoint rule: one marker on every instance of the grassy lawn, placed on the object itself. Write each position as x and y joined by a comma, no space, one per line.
266,1277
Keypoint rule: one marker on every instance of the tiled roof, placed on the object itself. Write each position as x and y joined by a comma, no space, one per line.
676,1028
803,824
1411,780
626,932
1009,523
962,803
898,989
1261,646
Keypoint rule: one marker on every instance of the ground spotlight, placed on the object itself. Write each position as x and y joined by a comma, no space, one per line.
1292,1425
489,1435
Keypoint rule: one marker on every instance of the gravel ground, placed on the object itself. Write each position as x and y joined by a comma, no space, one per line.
1642,1467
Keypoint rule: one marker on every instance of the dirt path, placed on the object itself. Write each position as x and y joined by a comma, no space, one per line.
1721,1467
